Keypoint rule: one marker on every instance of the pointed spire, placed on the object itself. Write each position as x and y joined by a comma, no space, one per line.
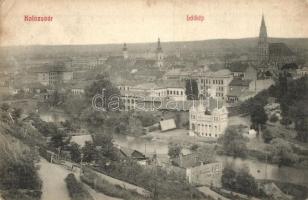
158,45
124,47
263,31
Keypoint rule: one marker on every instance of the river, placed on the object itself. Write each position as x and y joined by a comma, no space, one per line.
259,170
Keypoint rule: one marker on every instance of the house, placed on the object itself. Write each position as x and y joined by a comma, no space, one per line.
302,72
53,74
243,71
127,153
196,172
77,88
238,88
214,80
150,95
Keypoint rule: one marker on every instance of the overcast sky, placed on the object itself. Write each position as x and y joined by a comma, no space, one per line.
115,21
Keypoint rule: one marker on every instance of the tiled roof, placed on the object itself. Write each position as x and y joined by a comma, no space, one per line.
279,49
239,82
238,67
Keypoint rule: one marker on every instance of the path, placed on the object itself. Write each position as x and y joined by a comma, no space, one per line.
98,195
54,186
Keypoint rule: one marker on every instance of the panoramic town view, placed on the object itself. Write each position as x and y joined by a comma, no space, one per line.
199,119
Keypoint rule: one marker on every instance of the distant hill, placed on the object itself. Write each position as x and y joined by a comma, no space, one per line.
224,45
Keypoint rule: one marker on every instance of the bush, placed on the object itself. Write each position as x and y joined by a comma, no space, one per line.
75,189
274,118
22,194
239,181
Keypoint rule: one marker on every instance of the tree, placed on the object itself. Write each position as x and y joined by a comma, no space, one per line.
234,143
55,98
301,121
75,152
282,152
267,136
258,116
174,150
89,152
74,105
239,180
108,96
16,113
206,154
228,178
105,142
57,140
5,107
191,91
146,118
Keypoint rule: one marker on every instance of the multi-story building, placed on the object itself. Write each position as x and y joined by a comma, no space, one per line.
208,121
53,74
218,81
139,95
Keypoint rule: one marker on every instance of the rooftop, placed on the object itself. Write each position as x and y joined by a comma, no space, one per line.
240,82
279,49
238,67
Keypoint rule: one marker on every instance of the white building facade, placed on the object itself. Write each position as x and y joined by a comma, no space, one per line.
207,123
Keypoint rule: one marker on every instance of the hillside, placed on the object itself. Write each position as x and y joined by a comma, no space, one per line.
224,45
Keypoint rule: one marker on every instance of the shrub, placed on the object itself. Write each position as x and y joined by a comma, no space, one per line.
274,118
107,188
75,189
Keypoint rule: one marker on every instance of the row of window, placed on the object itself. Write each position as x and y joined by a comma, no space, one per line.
218,82
174,92
208,134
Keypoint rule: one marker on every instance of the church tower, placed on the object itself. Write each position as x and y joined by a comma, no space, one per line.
159,55
125,52
263,52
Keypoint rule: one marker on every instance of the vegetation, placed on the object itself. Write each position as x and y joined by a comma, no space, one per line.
267,136
76,189
191,91
282,153
160,183
234,143
239,181
174,150
206,154
75,152
19,178
292,95
103,186
109,95
258,116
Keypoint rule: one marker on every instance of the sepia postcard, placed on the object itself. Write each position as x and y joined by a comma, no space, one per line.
154,100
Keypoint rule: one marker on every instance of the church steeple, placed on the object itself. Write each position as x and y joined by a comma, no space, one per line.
158,46
125,52
263,31
159,55
263,51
